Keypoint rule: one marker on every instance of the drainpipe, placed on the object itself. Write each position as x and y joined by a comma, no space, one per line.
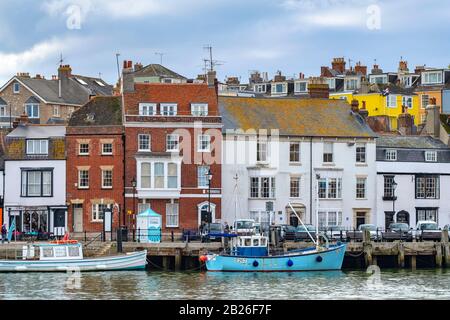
311,180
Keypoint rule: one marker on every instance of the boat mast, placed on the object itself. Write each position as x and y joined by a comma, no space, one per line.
317,209
236,178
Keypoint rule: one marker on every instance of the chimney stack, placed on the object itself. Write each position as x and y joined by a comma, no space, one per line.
405,122
318,88
403,66
138,66
419,69
211,78
433,122
279,77
64,72
360,68
355,106
338,64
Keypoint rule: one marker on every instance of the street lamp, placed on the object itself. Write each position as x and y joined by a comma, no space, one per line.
394,186
133,184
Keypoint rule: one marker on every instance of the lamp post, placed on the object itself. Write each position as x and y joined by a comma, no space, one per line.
394,186
209,176
133,184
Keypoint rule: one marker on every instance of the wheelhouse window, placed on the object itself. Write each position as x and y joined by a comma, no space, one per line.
390,155
37,147
199,109
361,153
430,156
294,152
32,110
262,187
147,109
37,183
144,142
168,109
427,187
330,188
172,142
328,152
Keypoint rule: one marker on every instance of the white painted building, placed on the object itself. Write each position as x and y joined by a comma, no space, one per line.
420,168
35,178
277,147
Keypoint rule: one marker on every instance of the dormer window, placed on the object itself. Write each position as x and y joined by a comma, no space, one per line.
37,147
168,109
406,81
432,77
379,79
430,156
260,88
199,109
390,155
301,86
351,84
147,109
331,83
279,88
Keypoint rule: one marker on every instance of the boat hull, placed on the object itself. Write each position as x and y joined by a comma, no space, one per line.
306,260
129,261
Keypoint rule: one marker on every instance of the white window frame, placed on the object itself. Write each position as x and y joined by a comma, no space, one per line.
109,153
79,179
56,111
199,109
173,210
14,87
202,178
364,189
144,109
200,140
42,146
169,109
391,98
373,78
153,175
426,77
274,86
169,142
390,155
328,188
262,154
103,179
359,146
272,188
297,83
422,98
431,156
347,81
324,153
291,153
405,101
260,88
298,181
95,213
32,105
141,135
324,216
2,111
84,153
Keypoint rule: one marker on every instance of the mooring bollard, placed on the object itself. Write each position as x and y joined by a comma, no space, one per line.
367,248
445,248
401,255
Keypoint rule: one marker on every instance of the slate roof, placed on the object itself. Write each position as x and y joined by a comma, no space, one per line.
100,111
38,132
157,70
73,92
293,117
410,142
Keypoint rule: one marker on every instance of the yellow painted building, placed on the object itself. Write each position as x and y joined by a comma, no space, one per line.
390,105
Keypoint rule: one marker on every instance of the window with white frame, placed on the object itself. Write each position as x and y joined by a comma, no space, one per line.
406,81
423,117
98,211
262,187
107,179
32,110
430,214
328,152
260,88
301,86
172,142
83,149
143,207
261,150
294,152
37,183
295,187
202,176
331,83
107,148
56,111
168,109
37,147
146,177
425,100
172,215
351,84
390,155
391,101
330,188
360,153
430,156
407,101
159,175
16,87
379,79
70,110
361,188
83,179
432,77
279,88
147,109
427,187
330,218
199,109
204,143
172,176
144,142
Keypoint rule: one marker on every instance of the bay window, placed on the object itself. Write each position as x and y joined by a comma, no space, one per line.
158,175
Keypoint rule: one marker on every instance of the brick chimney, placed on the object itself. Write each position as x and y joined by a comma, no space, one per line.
419,69
403,66
301,75
232,80
138,66
64,72
318,88
360,68
279,77
433,122
338,64
355,106
363,111
376,70
405,122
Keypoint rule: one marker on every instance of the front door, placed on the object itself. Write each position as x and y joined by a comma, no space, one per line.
78,218
360,219
403,216
388,219
59,218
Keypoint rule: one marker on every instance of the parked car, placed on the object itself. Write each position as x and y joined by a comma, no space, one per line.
212,232
336,233
375,233
427,230
397,231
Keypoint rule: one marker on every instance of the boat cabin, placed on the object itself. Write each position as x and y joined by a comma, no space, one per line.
254,245
53,252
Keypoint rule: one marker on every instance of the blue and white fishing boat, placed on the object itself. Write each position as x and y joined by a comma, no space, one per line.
69,257
251,253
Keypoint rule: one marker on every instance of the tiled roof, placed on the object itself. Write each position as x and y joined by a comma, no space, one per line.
293,117
157,70
410,142
100,111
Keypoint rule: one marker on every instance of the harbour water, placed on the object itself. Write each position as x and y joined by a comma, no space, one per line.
388,284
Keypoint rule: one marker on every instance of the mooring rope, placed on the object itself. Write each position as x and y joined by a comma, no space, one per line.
202,264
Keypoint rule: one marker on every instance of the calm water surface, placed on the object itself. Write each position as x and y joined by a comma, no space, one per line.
390,284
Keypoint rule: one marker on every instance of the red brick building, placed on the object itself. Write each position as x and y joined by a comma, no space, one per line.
95,179
173,140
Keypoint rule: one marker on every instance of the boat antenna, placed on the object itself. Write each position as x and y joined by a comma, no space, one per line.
236,178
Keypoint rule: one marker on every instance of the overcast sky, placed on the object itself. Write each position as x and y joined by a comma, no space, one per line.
266,35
